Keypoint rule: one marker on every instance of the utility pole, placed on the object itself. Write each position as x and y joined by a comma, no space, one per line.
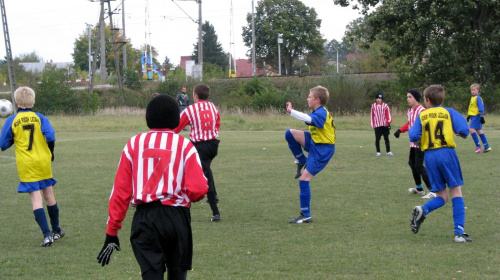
253,42
94,61
115,50
124,37
280,41
8,52
102,27
200,40
89,33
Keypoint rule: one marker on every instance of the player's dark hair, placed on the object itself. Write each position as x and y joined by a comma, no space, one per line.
202,90
435,94
162,112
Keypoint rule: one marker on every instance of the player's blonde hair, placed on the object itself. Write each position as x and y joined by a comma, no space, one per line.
321,93
435,94
476,86
24,97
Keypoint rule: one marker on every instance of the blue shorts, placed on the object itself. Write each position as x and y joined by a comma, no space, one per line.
319,154
475,122
27,187
443,168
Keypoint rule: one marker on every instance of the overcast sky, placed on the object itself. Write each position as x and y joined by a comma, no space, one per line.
51,27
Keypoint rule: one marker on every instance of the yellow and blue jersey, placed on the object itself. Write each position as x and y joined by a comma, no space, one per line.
321,127
476,106
436,126
29,131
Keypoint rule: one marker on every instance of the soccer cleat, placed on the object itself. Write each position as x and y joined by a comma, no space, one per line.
430,195
417,218
300,169
301,219
47,241
390,154
416,191
215,218
478,150
487,150
462,238
378,154
58,234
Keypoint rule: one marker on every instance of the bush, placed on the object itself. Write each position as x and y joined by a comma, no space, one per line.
132,80
54,96
347,94
171,86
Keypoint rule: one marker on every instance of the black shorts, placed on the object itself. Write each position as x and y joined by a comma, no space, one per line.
161,237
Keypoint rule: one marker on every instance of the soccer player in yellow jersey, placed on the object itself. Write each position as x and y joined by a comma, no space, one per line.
434,129
476,117
319,142
34,137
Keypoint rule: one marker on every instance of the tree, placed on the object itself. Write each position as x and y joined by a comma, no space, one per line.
167,63
81,49
212,49
298,24
331,50
30,57
440,41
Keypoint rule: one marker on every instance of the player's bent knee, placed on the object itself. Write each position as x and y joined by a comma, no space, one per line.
289,136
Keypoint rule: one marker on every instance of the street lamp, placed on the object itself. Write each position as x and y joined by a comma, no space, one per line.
280,41
337,60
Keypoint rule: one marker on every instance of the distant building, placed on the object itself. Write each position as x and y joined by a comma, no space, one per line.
183,61
38,67
243,66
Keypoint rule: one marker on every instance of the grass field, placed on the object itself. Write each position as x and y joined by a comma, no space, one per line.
360,205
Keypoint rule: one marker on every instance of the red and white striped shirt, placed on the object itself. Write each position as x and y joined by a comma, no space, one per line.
412,116
380,115
158,165
204,120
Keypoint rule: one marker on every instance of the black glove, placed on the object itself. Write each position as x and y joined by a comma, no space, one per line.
468,118
396,134
482,120
389,127
111,243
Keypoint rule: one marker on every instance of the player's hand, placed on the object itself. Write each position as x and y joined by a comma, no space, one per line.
482,120
389,126
110,244
396,134
468,118
289,106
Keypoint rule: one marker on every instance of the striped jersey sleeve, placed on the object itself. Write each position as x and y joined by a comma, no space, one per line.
204,121
412,116
380,115
155,166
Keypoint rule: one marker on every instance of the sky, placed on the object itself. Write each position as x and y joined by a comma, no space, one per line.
51,27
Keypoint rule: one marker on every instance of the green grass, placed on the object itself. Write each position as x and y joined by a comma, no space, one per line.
360,204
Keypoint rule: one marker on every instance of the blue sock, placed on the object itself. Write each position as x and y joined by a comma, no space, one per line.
485,142
459,214
476,139
295,147
41,219
54,216
433,204
305,198
419,187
